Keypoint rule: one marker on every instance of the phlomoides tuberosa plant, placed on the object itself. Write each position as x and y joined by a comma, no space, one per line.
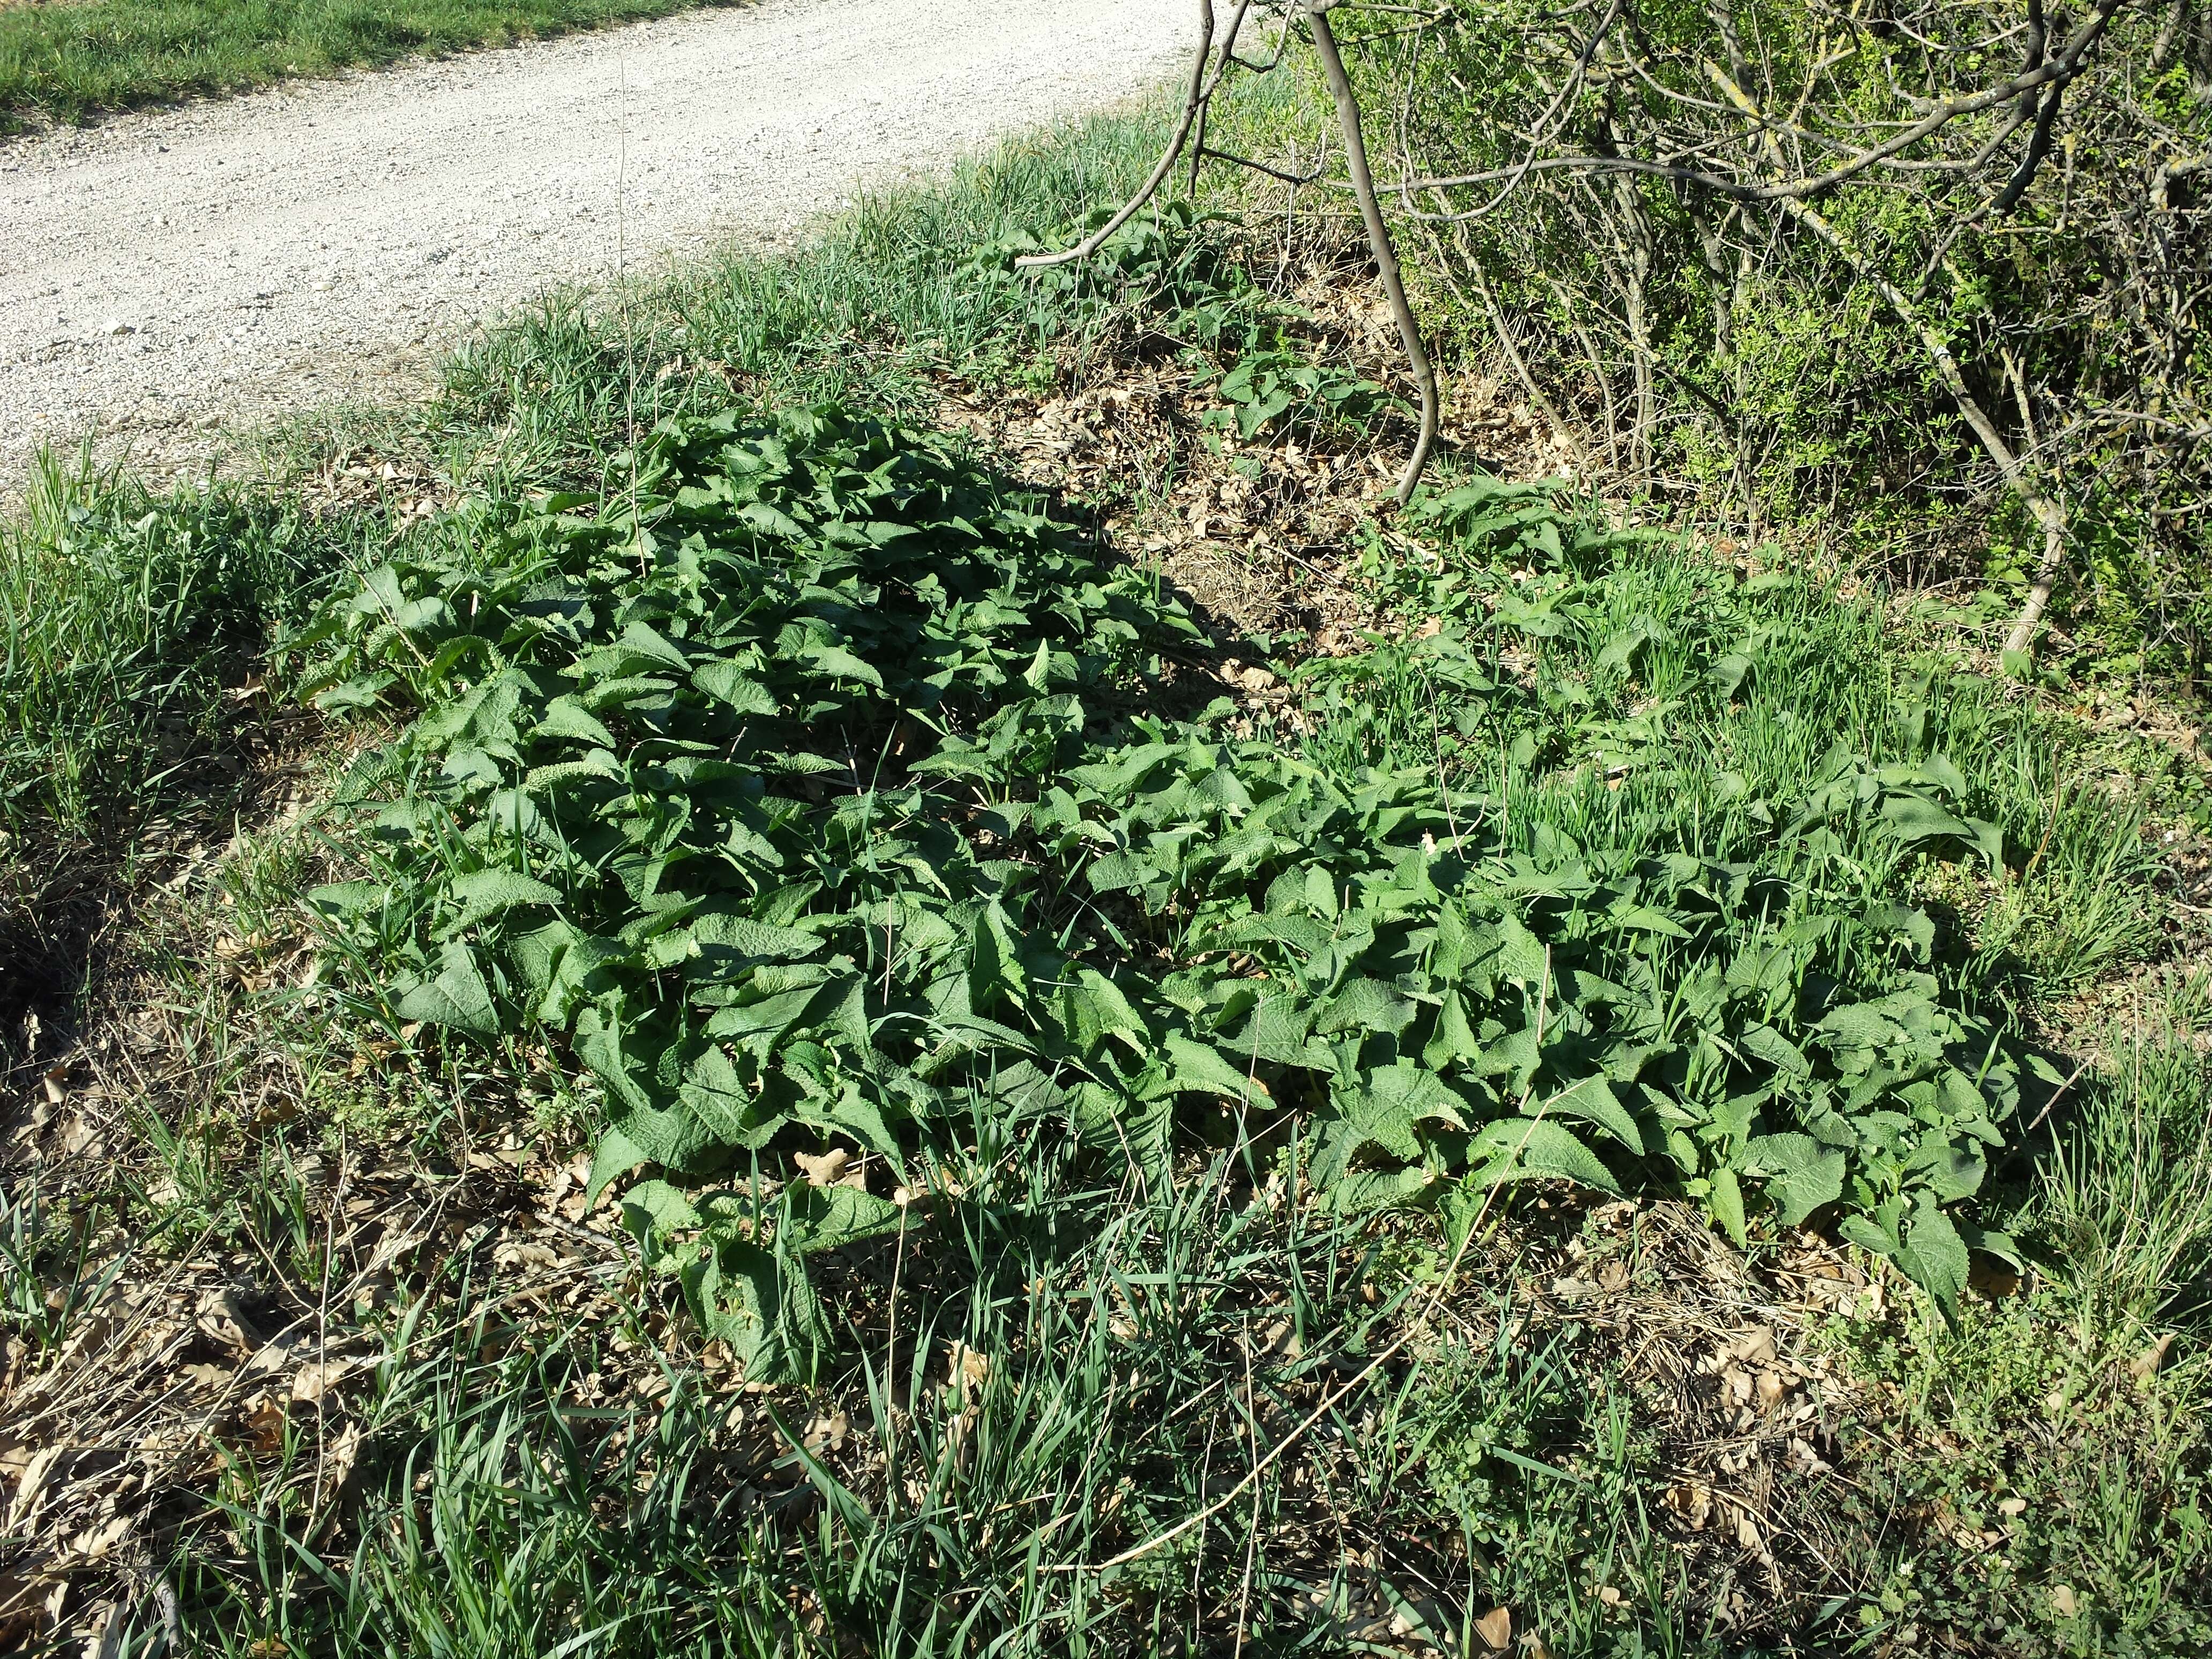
1995,207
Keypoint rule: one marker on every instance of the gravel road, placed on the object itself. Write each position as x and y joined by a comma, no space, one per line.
170,272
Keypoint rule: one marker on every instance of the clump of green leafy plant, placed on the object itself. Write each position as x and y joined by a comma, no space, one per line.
785,793
1277,389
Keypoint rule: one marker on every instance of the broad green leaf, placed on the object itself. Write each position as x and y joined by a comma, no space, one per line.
1360,1192
347,898
1935,1256
457,996
994,969
1106,1011
642,639
1906,920
1593,1100
830,1218
726,683
1803,1174
1383,1111
1364,1005
565,717
1199,1068
361,691
1914,817
1120,871
1643,918
1277,1033
1859,1025
727,931
652,1210
1515,1149
1725,1200
1453,1042
1522,956
762,1306
1764,1042
486,893
838,661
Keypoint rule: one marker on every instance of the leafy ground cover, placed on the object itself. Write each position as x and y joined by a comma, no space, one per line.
993,1015
70,61
1694,948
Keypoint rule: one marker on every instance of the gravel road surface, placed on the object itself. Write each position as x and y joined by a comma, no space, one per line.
171,271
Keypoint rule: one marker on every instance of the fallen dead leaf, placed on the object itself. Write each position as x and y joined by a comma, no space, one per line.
1754,1347
522,1253
34,1480
1993,1280
1495,1629
340,1457
1692,1501
2145,1365
969,1371
823,1170
95,1543
262,1420
312,1381
221,1317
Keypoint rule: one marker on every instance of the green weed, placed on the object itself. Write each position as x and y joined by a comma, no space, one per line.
2066,1515
763,781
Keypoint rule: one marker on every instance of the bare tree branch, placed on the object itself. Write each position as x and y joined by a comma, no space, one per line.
1206,75
1193,106
1379,242
2053,73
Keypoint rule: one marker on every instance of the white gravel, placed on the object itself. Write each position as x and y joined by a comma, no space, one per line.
227,261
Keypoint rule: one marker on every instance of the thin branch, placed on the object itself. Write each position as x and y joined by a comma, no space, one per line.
1379,242
1194,103
2054,72
1213,154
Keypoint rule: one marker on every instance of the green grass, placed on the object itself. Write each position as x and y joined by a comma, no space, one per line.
508,1507
127,616
74,59
587,1476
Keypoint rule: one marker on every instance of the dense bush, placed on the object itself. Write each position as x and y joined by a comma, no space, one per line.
1669,212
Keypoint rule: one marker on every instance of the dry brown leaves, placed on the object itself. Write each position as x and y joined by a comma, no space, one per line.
354,481
207,1343
1717,1350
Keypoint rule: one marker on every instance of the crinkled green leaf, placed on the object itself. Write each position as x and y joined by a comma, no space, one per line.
1515,1149
457,996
